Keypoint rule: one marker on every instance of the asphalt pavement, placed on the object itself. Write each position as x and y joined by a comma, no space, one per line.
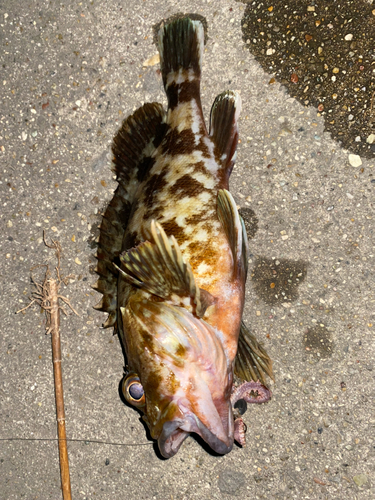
70,73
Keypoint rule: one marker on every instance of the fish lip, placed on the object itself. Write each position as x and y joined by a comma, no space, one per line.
176,431
171,438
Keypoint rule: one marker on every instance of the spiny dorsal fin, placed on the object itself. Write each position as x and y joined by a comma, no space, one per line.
223,126
132,148
160,269
252,362
230,219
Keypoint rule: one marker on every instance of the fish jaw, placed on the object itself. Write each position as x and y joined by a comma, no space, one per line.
185,373
175,431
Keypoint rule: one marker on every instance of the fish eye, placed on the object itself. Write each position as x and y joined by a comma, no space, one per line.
133,391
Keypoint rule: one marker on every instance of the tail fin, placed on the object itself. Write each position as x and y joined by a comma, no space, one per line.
181,44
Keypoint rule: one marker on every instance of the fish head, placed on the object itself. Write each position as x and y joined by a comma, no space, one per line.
181,378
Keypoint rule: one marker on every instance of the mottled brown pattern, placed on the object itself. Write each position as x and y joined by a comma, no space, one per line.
202,146
202,251
208,225
187,186
155,212
195,247
173,229
200,167
173,382
159,134
144,167
183,92
195,219
155,298
181,350
123,215
147,340
131,240
135,206
223,178
153,383
179,15
155,184
179,143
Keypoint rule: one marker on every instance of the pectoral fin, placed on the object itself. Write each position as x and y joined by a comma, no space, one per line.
160,269
245,247
252,362
235,231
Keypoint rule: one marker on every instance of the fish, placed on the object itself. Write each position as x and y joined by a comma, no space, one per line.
173,259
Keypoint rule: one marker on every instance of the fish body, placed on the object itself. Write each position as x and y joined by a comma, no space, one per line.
173,256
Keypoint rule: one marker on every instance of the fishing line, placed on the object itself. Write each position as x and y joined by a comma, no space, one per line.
86,441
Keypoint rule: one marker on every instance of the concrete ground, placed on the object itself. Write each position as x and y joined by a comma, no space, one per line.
71,71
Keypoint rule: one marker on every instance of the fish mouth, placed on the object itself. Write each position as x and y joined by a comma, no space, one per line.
175,432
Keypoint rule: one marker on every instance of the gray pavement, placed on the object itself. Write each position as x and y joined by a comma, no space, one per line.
70,73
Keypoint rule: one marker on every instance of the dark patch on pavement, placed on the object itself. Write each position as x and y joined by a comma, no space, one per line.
250,221
100,162
276,280
318,342
323,52
230,481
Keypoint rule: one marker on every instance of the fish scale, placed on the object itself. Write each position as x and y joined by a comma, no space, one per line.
184,181
172,259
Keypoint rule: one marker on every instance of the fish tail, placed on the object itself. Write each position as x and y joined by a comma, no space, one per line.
181,44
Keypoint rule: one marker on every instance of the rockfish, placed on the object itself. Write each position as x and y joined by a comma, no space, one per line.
172,259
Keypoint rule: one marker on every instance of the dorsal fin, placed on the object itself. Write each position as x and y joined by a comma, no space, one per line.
235,230
160,269
132,148
252,361
223,127
135,142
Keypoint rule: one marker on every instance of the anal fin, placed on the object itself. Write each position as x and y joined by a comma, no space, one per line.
159,268
252,361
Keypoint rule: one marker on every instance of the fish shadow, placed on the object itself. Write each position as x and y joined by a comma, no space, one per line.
207,447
